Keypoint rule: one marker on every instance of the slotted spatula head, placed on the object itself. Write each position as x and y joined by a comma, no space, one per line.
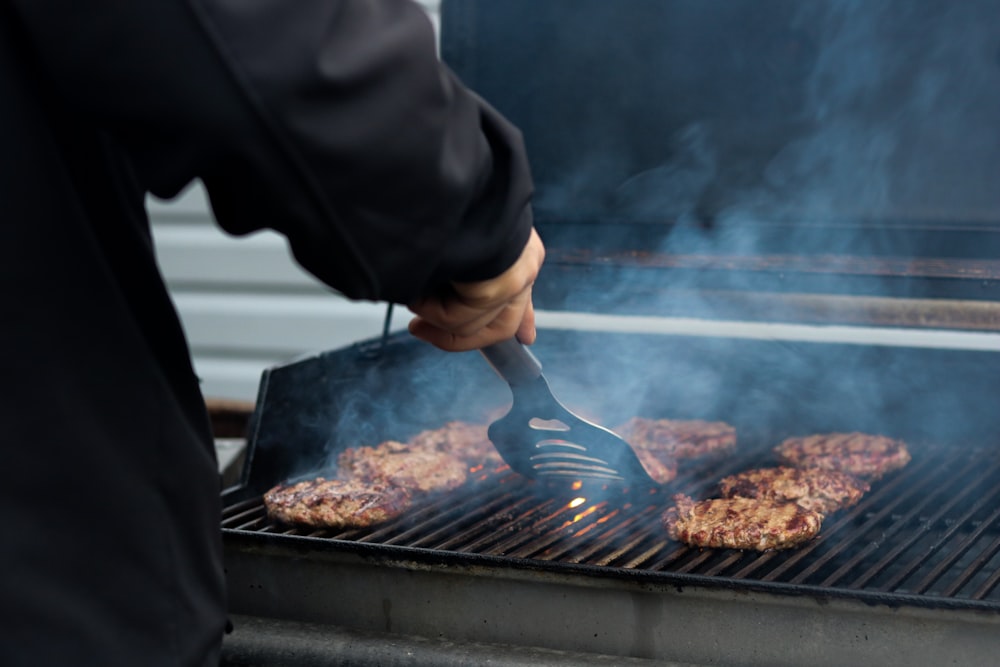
541,438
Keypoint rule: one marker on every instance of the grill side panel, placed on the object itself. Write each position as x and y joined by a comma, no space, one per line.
496,603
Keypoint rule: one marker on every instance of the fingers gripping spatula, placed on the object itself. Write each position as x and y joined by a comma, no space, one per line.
541,438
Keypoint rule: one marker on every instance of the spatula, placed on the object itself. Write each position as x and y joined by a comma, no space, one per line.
541,438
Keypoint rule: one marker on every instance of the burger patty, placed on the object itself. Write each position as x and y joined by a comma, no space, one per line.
465,440
824,491
660,467
740,523
336,503
860,454
417,468
678,439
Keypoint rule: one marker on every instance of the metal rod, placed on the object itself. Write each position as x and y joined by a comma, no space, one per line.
471,538
502,516
991,581
956,553
975,567
897,525
948,536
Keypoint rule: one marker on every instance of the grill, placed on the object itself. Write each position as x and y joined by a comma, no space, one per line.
819,169
928,535
589,571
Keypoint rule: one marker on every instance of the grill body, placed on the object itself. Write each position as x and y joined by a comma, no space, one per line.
516,604
914,567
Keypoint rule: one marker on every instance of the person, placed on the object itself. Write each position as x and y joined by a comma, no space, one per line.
331,121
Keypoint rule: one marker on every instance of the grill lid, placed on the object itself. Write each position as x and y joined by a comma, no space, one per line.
753,148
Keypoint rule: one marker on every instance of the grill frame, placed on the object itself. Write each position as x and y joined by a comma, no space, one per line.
299,425
519,528
461,598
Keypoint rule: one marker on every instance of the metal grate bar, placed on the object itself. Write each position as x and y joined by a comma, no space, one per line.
621,551
946,538
637,562
442,516
482,519
601,543
472,537
937,520
236,510
672,557
514,524
975,567
759,563
562,532
527,526
257,523
582,534
898,524
956,553
350,534
990,583
726,563
696,561
648,527
246,515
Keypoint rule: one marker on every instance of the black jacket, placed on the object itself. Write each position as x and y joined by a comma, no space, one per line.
329,120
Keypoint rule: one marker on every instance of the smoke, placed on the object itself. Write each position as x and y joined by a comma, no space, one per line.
740,128
695,112
767,129
672,190
894,102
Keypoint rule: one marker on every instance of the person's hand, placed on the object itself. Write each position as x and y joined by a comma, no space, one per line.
470,316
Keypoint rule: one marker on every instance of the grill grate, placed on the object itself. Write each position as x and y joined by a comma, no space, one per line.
932,529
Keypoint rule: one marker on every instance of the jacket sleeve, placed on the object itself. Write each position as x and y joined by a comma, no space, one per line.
331,121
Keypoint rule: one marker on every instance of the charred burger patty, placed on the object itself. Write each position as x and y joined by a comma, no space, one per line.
866,456
422,469
373,485
336,503
465,440
740,523
824,491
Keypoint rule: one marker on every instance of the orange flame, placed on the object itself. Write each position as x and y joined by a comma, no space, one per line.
596,524
576,502
590,510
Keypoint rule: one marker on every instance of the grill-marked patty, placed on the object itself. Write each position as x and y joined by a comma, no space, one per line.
866,456
740,523
677,439
336,503
469,442
416,468
817,489
374,484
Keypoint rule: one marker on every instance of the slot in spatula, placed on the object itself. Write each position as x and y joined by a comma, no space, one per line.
541,438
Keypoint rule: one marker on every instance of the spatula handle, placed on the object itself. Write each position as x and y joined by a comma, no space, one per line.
513,361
